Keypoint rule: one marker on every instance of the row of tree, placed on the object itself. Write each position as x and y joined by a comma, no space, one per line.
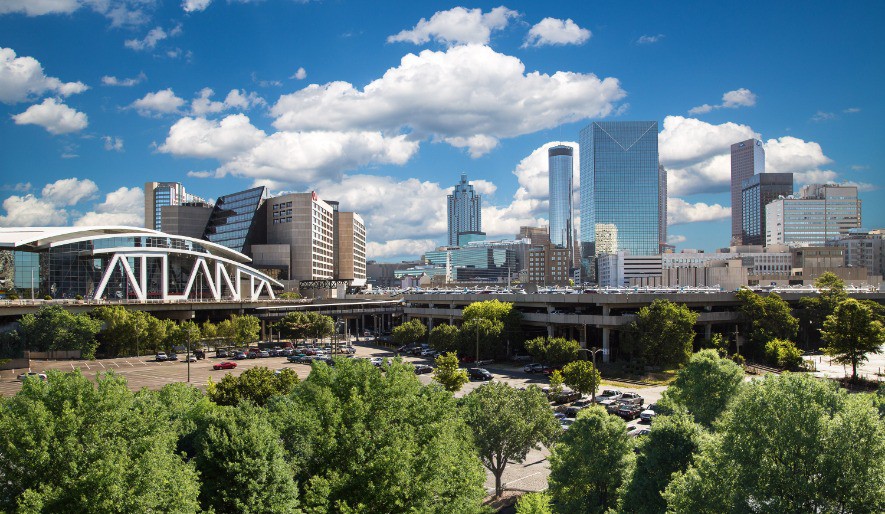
788,443
113,331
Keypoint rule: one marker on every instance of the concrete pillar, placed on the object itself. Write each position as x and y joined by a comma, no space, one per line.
263,334
583,340
708,331
429,323
550,331
606,345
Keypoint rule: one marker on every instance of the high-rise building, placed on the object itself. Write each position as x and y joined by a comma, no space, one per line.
662,207
864,249
821,213
160,194
758,191
350,248
464,211
238,220
304,223
747,159
536,235
560,179
620,188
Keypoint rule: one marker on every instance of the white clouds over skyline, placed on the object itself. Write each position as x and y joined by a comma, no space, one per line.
730,100
553,32
56,117
457,26
22,79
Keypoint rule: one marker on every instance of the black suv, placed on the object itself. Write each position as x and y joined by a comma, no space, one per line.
479,374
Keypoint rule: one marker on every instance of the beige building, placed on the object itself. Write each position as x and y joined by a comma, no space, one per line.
548,266
304,223
350,248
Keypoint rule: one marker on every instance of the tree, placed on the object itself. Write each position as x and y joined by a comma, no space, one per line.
479,335
53,328
289,295
510,334
852,332
555,351
362,440
662,333
582,377
705,386
208,331
70,445
409,332
245,328
765,318
782,353
184,334
225,330
255,385
590,463
813,310
444,338
668,449
448,374
534,503
507,423
789,443
242,464
556,383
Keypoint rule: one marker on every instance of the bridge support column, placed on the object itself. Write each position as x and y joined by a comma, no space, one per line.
550,331
263,331
708,331
606,345
583,340
429,323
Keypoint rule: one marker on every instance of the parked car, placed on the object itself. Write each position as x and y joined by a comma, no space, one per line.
32,374
263,354
638,431
377,361
566,396
632,396
199,354
479,374
608,394
422,368
221,353
648,414
629,411
191,358
240,356
224,365
565,423
161,357
533,368
295,357
172,357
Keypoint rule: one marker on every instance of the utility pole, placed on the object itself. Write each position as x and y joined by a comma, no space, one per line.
737,341
477,343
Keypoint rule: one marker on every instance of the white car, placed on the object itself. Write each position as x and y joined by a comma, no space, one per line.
648,414
30,374
191,358
377,361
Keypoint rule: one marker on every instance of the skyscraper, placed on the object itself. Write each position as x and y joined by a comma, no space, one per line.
662,207
757,192
821,213
620,189
747,159
464,210
162,194
560,177
238,220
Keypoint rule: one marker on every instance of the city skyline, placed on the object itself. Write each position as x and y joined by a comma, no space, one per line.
380,120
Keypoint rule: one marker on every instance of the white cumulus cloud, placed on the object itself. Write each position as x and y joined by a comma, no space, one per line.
125,206
649,39
158,102
119,12
30,211
112,143
149,42
300,74
195,5
679,211
22,79
552,31
457,26
69,191
742,97
467,95
54,116
110,80
235,99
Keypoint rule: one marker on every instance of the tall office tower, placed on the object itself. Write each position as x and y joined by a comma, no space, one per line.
620,188
537,235
662,207
350,248
238,220
757,192
560,178
160,194
822,212
464,210
304,224
747,159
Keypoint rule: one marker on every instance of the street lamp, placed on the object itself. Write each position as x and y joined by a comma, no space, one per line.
593,351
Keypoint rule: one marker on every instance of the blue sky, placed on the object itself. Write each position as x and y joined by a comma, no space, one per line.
381,105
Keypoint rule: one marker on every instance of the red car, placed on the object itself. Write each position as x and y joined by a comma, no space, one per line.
225,365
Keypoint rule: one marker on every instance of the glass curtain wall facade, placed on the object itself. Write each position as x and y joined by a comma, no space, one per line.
560,179
475,263
620,188
821,214
164,194
747,159
464,210
757,192
237,220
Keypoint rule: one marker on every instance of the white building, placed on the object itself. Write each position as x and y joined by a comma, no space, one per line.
821,213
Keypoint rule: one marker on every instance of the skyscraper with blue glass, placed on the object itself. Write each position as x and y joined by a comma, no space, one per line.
620,189
464,213
560,177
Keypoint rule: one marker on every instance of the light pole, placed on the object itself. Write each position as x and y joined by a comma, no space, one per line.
477,343
593,351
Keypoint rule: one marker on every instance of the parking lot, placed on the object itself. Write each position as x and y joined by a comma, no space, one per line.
530,475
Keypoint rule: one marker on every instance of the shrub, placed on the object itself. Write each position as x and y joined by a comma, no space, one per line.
783,353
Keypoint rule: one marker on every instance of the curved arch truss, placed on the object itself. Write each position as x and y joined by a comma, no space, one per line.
215,275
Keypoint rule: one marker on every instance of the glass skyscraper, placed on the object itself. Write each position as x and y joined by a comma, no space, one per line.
162,194
237,220
464,210
620,189
560,178
757,192
747,159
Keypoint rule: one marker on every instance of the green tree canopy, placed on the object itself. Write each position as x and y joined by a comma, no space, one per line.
444,338
590,463
852,332
363,440
448,374
556,351
480,334
783,353
409,332
705,386
582,377
668,449
245,328
255,385
534,503
301,325
507,423
70,445
54,328
765,318
789,443
813,310
662,333
510,334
